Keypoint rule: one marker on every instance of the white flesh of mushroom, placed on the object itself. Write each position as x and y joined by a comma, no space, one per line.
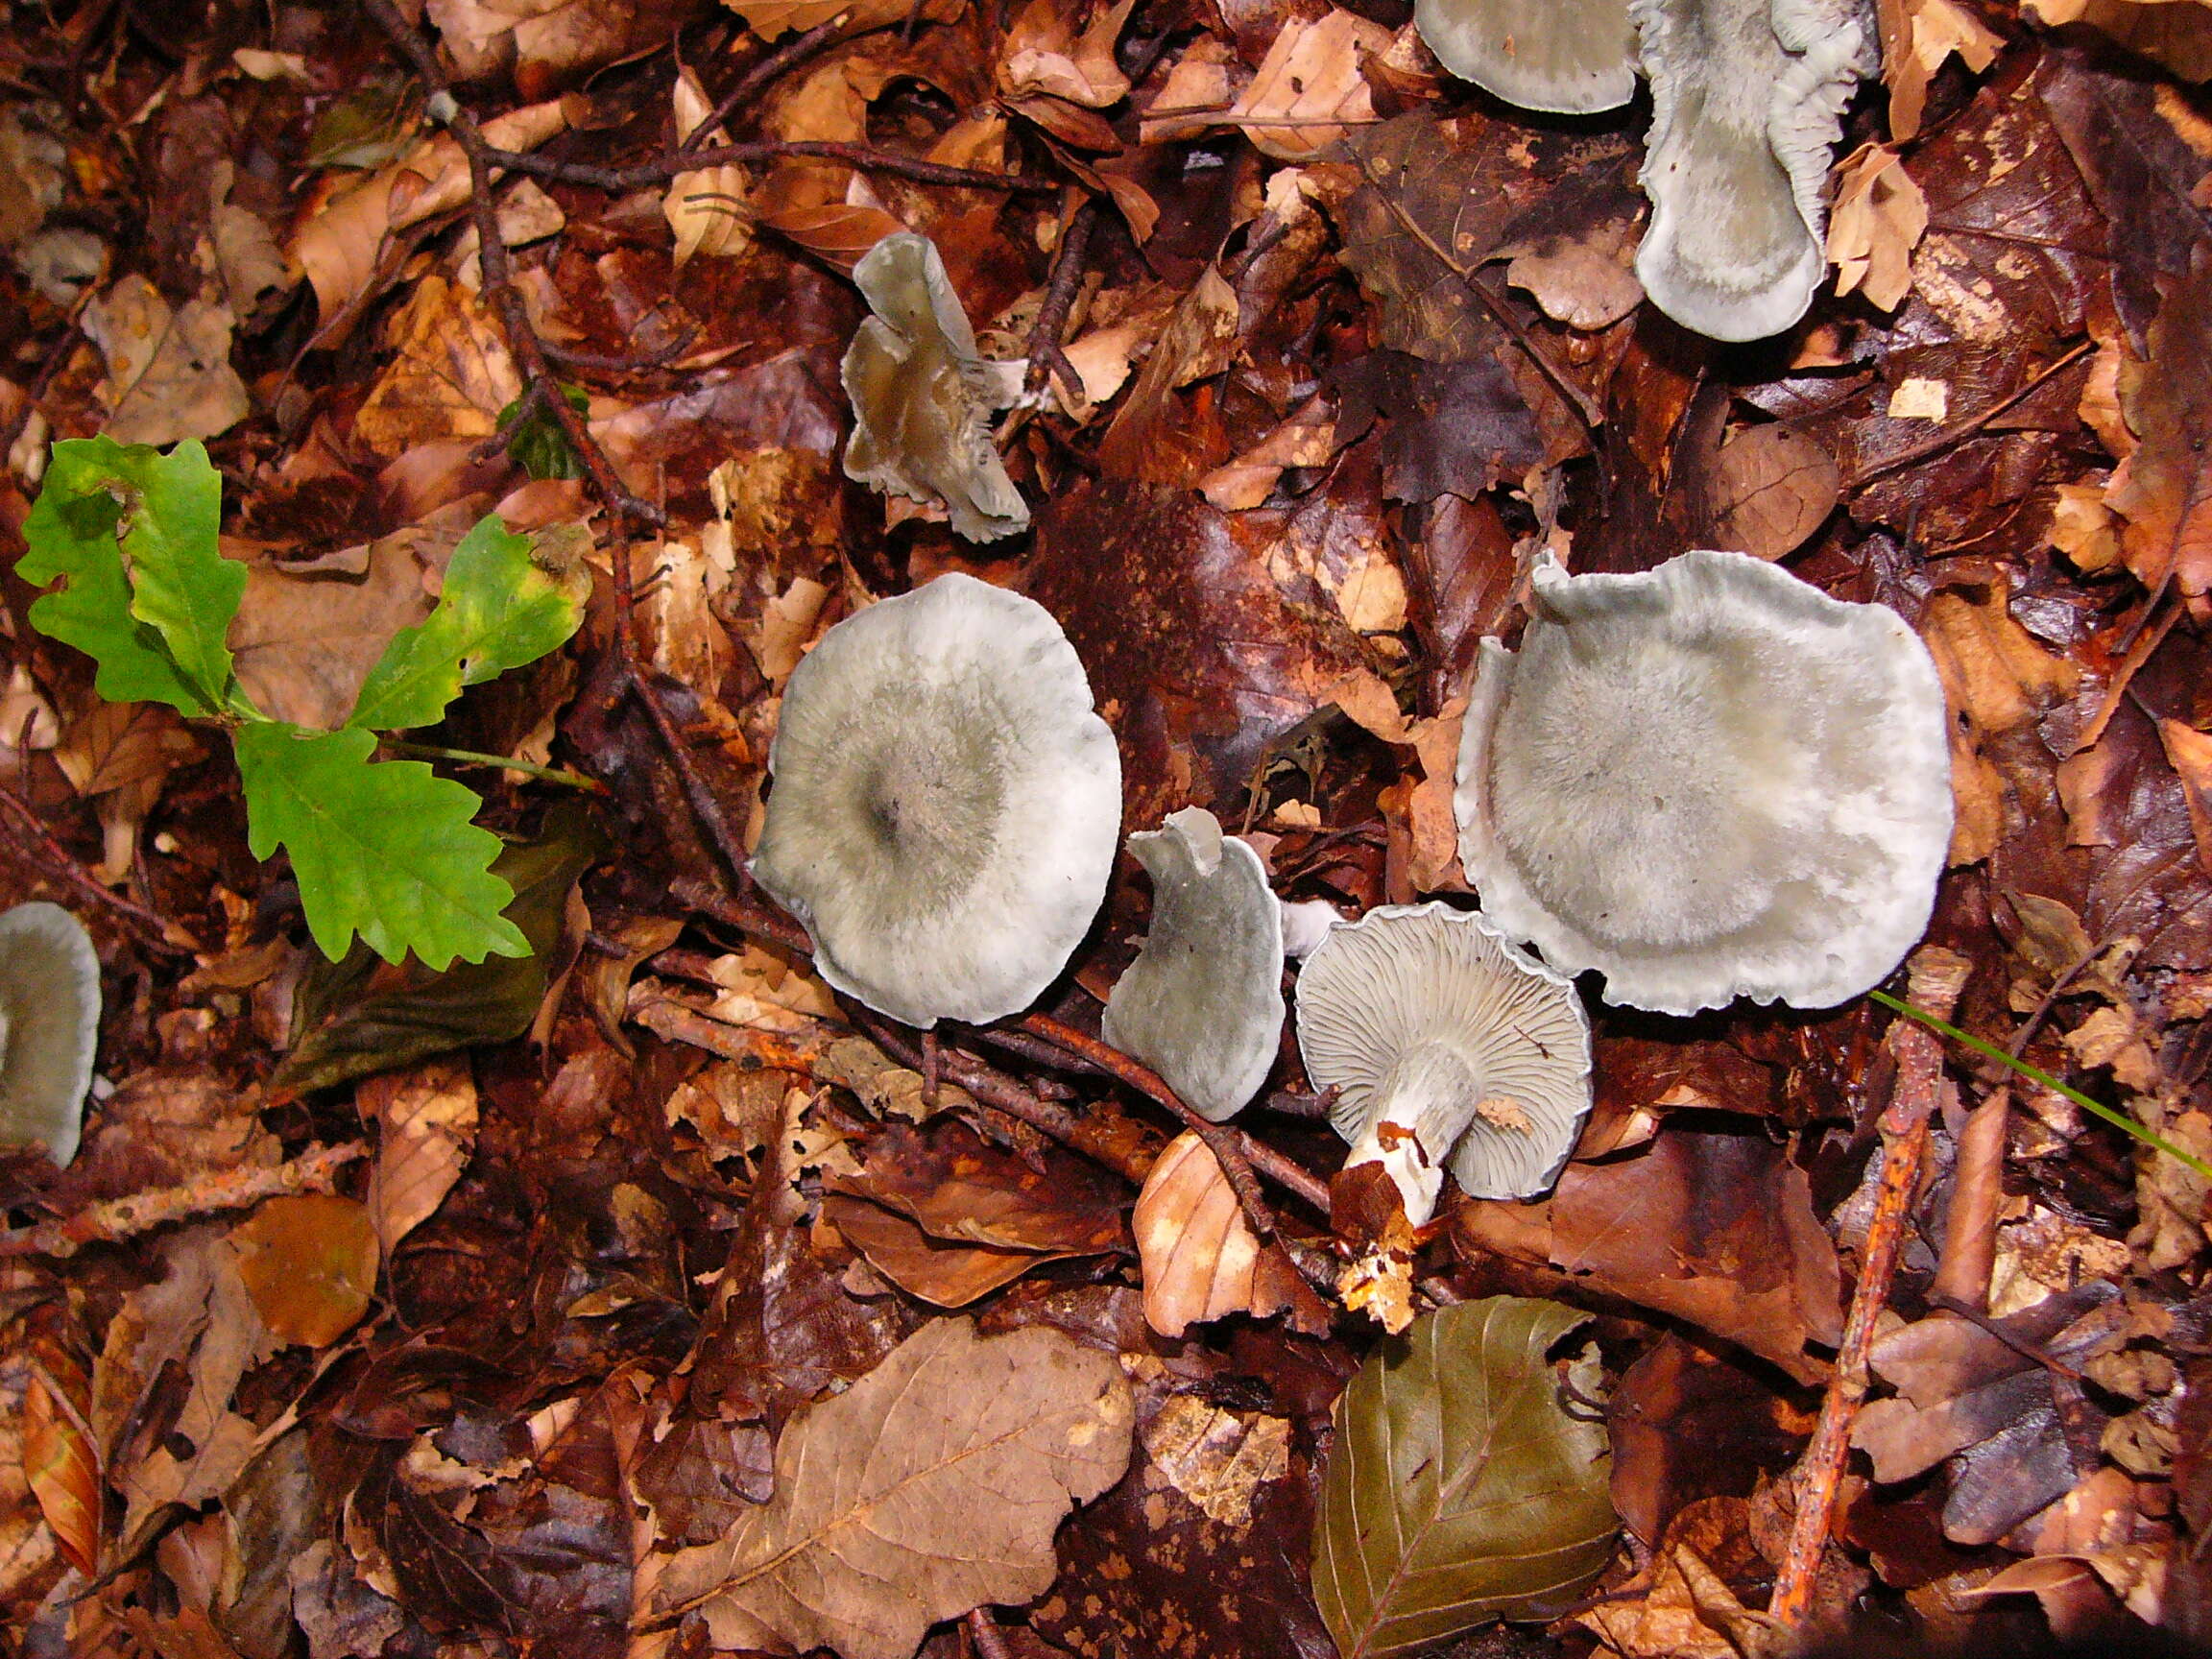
1202,1006
946,803
49,1024
1448,1045
1748,97
1707,780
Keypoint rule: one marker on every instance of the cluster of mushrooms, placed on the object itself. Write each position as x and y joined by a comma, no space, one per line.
1705,782
1747,99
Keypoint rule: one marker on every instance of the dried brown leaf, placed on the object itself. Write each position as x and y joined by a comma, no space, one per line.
931,1486
169,374
1200,1260
1309,90
427,1117
1879,218
59,1462
309,1262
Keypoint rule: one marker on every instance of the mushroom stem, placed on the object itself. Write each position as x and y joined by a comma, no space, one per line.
1426,1102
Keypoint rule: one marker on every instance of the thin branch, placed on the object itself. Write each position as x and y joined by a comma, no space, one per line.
119,1218
758,78
1950,436
661,169
154,930
1045,357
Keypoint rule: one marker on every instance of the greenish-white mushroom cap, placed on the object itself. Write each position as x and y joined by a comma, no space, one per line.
1561,54
946,803
1202,1004
49,1025
1450,1045
1707,780
1746,100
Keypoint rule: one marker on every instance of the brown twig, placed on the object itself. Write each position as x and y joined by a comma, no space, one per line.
858,157
983,1631
1045,357
1934,445
1501,313
119,1218
755,79
59,862
1238,1153
1904,1125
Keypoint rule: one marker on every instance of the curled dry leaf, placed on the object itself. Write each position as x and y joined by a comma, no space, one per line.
706,209
1918,35
1201,1261
949,1466
1879,218
428,1123
1310,83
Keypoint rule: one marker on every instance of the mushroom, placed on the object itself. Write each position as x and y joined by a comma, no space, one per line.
1445,1040
1202,1004
1746,98
1569,56
49,1022
921,395
946,803
1707,780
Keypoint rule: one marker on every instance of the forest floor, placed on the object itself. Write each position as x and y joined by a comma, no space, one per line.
643,1295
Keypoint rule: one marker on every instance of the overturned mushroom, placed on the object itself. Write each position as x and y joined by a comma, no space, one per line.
922,396
1746,98
1570,56
1446,1041
946,803
1707,780
1202,1004
49,1022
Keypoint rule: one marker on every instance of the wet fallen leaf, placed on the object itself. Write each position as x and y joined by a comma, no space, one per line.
310,1264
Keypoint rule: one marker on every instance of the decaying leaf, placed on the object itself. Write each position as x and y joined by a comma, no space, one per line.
958,1457
1460,1488
169,374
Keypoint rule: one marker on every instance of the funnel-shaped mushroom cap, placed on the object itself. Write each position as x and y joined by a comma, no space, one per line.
1746,98
49,1022
946,803
1708,780
1202,1004
1447,1042
921,395
1569,55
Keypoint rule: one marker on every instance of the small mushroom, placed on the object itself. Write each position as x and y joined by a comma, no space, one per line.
1746,98
946,803
922,395
1569,55
1202,1004
1707,780
1446,1041
49,1022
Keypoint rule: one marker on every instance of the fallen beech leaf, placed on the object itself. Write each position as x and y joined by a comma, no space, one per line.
1460,1489
545,42
427,1122
1043,56
169,374
60,1466
1307,438
1201,1261
1310,80
941,1272
1218,1460
309,1262
2190,750
930,1486
2164,488
1879,218
772,19
1770,489
2175,32
450,379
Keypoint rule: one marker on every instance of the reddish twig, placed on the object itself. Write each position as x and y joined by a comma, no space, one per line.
119,1218
1045,357
983,1631
1237,1152
1904,1128
62,864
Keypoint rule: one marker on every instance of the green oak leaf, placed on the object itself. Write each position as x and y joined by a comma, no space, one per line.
382,849
1460,1489
501,607
151,609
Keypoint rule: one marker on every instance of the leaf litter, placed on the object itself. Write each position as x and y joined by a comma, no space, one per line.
600,1300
